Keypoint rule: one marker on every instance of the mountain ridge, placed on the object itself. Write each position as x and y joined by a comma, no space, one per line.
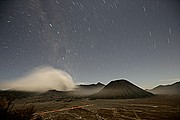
89,89
167,89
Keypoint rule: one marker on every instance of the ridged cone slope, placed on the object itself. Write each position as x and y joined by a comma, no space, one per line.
122,89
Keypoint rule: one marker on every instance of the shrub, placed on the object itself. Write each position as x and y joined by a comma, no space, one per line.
7,112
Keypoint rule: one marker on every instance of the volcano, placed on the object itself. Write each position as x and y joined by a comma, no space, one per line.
121,89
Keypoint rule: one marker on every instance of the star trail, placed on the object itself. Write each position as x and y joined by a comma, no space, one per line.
92,40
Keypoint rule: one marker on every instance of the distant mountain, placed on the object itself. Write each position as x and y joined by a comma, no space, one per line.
88,89
92,85
121,89
14,94
167,89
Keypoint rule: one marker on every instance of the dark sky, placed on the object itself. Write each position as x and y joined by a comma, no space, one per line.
93,40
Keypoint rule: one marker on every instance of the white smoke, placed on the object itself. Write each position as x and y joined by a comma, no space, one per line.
42,79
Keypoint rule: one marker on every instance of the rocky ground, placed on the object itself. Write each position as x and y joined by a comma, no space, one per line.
166,107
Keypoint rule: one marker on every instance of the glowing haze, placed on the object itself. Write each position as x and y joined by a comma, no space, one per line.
42,79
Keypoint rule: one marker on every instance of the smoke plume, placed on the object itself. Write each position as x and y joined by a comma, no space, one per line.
42,79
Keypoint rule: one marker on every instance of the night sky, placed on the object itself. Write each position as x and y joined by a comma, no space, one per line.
92,40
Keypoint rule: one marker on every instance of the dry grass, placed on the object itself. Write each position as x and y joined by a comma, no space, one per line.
7,111
164,107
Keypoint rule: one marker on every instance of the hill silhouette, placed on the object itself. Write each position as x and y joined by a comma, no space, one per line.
167,89
14,94
121,89
88,89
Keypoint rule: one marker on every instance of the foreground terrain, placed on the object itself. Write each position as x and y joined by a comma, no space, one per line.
163,107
